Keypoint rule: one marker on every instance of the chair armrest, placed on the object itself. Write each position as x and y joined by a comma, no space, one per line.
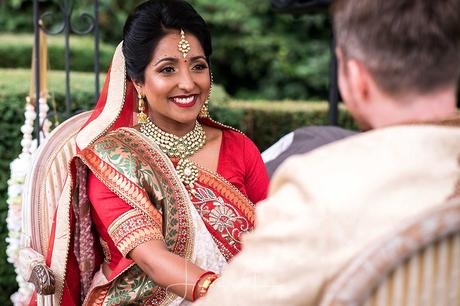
33,269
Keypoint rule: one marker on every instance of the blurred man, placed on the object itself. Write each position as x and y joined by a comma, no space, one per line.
399,66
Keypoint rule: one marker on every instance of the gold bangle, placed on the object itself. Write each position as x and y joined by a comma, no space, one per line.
206,284
194,291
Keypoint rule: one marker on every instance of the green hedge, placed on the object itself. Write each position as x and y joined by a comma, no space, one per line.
264,122
258,53
16,50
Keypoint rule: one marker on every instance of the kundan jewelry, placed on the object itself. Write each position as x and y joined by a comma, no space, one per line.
204,111
183,45
141,116
178,147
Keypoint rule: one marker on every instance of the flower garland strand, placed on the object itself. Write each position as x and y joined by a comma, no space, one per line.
19,168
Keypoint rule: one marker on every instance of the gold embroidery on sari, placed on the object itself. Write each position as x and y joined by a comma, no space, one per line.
179,235
225,222
120,185
220,215
230,192
105,120
132,229
226,212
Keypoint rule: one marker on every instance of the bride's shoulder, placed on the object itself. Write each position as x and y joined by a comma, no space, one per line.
212,133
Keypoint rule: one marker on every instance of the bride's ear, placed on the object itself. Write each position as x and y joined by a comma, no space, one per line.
138,87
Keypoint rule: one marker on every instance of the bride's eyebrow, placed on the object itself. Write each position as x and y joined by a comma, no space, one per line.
195,58
175,60
166,59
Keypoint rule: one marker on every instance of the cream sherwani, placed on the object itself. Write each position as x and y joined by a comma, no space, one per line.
329,204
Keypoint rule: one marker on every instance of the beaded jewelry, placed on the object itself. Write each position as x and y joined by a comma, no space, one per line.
178,147
141,116
183,46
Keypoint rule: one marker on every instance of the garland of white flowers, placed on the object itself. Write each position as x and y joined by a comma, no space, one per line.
19,168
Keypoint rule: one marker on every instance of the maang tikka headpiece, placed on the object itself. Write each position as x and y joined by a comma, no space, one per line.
183,45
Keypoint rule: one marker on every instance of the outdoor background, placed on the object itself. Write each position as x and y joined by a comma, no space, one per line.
271,73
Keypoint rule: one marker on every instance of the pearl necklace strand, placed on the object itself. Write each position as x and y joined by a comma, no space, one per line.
179,147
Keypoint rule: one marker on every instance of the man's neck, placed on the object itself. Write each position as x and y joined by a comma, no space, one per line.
416,108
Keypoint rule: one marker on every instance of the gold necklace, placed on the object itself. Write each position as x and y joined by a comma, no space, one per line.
179,147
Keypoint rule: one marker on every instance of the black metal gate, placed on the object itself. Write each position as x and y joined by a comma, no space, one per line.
66,9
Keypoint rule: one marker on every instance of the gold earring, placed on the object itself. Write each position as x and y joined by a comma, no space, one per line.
141,116
204,111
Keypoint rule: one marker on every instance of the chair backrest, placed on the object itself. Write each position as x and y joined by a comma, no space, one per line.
418,264
45,182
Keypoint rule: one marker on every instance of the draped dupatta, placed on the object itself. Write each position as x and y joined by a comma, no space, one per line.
114,109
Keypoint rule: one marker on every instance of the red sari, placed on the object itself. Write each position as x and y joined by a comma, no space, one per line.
130,207
135,196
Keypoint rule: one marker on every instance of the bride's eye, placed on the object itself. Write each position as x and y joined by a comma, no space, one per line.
167,69
200,67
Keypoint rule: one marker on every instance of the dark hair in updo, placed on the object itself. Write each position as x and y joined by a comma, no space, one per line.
150,22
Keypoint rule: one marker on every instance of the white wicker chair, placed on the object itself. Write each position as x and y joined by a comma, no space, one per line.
417,265
42,192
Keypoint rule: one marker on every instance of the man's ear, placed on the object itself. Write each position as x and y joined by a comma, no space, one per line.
342,74
359,79
347,74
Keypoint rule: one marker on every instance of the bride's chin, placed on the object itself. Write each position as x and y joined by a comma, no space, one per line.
184,120
187,113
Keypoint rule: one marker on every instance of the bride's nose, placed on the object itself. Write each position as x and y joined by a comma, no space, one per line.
186,81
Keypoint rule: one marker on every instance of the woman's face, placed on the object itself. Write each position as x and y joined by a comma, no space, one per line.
176,87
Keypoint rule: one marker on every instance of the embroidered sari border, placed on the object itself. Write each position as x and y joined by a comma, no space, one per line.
132,229
230,192
151,157
175,191
61,245
120,185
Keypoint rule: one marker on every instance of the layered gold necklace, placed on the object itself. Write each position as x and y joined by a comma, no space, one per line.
178,147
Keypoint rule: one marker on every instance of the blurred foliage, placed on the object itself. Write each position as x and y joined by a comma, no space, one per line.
267,55
265,122
16,52
258,53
